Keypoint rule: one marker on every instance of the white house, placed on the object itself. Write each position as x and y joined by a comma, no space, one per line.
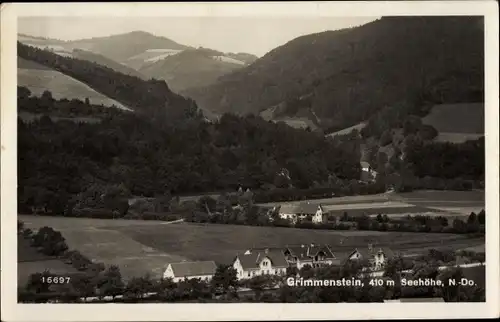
377,258
301,211
187,270
312,255
367,172
260,262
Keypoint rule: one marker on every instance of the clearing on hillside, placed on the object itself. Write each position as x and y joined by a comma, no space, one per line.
348,130
457,123
38,79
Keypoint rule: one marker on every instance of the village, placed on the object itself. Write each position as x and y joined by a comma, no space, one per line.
277,261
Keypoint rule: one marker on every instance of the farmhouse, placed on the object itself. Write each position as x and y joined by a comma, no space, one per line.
367,172
377,258
302,211
260,262
312,255
188,270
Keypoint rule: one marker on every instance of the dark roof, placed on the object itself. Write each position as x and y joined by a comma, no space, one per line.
364,164
301,208
193,268
306,252
252,260
367,253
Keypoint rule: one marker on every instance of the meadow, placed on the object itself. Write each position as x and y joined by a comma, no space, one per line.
140,247
38,78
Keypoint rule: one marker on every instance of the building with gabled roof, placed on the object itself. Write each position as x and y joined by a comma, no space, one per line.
377,257
313,255
203,270
301,211
260,262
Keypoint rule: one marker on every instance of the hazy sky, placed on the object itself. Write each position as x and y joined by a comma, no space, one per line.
229,34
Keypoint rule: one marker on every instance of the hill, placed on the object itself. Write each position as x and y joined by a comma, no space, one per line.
38,79
104,61
391,60
191,68
123,46
146,56
152,97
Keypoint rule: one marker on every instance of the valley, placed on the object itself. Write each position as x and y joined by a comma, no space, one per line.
142,151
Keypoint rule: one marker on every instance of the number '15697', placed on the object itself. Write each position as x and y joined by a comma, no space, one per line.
55,279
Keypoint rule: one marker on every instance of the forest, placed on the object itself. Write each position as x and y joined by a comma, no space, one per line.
58,159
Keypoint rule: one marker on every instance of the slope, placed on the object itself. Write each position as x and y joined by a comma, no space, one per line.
38,78
191,68
151,97
381,63
104,61
123,46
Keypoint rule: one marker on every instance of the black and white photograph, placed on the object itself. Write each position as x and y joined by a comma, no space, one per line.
226,156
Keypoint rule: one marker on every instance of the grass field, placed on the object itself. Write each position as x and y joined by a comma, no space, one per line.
440,203
29,261
457,123
140,247
37,79
348,130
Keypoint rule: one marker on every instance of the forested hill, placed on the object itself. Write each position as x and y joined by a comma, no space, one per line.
345,76
58,159
152,97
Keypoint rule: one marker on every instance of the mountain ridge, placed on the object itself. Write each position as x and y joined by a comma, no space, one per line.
365,66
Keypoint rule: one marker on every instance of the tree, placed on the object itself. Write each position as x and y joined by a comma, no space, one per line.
137,287
386,138
481,217
83,285
427,132
37,282
50,241
111,283
225,279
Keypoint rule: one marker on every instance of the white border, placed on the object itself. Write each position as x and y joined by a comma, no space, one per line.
11,311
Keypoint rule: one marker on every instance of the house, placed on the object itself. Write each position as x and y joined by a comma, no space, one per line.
187,270
257,262
312,255
376,257
367,172
302,211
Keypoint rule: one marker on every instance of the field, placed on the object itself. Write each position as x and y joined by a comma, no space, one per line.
140,247
439,203
348,130
38,78
457,123
30,261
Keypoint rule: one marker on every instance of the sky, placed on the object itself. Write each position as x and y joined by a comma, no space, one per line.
255,35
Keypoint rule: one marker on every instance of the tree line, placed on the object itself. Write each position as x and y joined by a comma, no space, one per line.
223,211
